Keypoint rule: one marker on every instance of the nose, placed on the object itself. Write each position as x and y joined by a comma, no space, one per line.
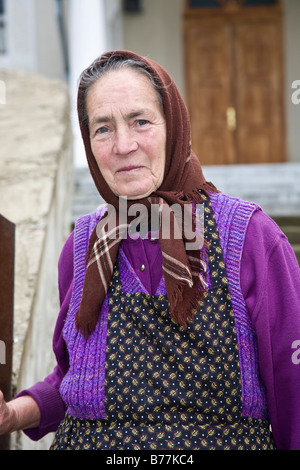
125,142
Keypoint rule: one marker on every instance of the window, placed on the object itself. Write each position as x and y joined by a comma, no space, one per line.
2,27
255,3
132,6
220,3
204,4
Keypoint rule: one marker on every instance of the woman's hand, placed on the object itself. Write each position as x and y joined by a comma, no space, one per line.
7,417
21,413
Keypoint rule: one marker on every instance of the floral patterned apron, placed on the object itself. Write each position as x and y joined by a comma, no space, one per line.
167,388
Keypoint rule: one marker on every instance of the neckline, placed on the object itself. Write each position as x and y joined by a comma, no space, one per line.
135,285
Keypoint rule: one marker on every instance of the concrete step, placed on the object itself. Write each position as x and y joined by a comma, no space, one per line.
297,252
292,232
291,227
274,187
86,197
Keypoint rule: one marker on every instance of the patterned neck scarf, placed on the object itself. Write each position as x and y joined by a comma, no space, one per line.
184,269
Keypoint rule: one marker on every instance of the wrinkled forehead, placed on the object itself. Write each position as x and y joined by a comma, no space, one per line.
116,61
126,86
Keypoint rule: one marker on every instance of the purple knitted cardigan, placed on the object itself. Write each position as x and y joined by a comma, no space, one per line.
83,387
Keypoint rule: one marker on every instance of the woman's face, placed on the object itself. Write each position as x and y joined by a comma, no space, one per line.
127,132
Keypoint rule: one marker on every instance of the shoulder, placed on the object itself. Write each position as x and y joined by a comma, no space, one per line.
66,255
267,259
83,226
233,216
260,227
65,267
263,230
266,247
90,218
225,206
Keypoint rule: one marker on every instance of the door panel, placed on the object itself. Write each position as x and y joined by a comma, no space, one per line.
209,91
258,93
235,87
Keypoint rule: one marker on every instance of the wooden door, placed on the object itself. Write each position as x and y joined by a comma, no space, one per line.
235,83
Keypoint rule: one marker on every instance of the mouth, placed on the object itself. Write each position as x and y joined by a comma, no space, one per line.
130,168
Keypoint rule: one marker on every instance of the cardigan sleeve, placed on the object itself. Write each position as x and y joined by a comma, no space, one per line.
270,282
46,393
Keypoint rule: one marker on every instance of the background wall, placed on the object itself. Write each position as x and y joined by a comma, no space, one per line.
157,32
36,182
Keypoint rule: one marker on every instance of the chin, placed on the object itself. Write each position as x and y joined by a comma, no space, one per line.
138,194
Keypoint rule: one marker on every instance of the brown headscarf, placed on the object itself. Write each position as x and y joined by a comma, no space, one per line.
183,271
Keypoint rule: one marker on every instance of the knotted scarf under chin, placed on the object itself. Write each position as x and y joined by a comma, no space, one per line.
184,269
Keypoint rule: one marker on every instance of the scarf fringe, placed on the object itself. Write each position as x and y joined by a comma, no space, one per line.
184,302
84,326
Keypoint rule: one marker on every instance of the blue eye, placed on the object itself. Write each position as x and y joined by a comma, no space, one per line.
102,130
142,122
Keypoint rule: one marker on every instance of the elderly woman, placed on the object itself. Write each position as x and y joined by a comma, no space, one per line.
161,344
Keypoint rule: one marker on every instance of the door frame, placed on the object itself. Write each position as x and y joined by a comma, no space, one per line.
235,12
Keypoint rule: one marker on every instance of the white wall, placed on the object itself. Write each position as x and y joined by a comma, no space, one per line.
33,39
87,40
157,32
49,54
114,24
21,35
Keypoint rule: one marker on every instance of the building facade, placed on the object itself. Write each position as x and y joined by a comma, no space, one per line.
191,39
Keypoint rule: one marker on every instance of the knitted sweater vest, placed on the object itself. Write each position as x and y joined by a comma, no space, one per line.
83,387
